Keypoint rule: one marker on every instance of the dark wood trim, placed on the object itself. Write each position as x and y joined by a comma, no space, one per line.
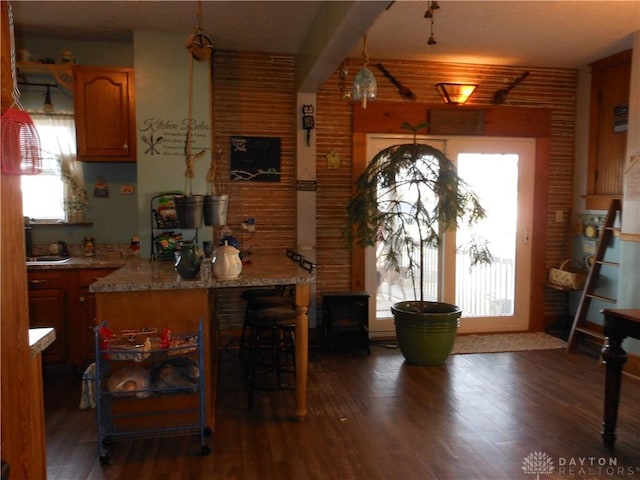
539,234
600,202
619,58
388,117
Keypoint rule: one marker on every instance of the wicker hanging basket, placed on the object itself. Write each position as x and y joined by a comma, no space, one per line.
566,277
21,152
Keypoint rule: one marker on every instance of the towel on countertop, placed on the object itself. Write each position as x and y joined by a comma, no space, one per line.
88,397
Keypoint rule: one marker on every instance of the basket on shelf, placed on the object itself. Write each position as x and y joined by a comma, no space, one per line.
164,221
567,277
138,345
166,245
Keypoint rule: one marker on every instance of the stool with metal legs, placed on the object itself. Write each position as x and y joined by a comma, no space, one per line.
271,350
259,298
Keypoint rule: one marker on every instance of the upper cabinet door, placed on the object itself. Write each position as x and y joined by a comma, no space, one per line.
105,114
610,84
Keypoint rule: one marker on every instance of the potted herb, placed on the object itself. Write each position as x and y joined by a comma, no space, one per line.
215,204
406,198
189,207
76,200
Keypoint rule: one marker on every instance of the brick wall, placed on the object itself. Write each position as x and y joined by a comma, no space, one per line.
254,95
554,89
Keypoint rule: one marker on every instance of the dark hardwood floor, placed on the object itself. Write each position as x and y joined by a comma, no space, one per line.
374,417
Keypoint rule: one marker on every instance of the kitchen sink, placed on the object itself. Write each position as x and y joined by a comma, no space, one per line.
47,259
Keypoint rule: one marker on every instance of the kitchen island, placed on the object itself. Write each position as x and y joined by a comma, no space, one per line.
152,294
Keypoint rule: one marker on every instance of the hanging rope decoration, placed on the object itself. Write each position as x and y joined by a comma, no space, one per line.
199,43
21,153
200,48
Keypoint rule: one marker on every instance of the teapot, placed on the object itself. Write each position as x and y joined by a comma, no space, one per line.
227,264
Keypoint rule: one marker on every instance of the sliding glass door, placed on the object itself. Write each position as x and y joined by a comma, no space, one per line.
493,297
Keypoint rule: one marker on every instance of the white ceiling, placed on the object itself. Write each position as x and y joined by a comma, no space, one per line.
564,34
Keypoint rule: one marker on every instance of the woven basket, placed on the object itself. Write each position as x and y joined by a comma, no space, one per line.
566,277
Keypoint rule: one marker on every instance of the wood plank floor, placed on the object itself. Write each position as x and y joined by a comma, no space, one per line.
375,417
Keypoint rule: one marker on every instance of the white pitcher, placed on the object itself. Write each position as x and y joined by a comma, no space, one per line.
226,262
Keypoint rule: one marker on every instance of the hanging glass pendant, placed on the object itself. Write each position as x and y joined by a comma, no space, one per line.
365,87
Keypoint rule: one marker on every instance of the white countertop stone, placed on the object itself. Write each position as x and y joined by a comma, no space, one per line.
263,269
40,338
80,262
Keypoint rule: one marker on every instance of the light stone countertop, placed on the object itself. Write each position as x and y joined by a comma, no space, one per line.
263,269
40,338
79,262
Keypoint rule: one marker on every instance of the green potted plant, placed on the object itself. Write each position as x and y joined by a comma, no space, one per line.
406,198
189,206
76,200
215,203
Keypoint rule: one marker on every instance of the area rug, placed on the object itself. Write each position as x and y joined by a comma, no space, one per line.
506,342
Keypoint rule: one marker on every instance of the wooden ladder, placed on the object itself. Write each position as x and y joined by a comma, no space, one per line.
582,327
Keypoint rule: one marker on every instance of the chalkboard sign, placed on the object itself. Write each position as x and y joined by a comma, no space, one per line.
255,159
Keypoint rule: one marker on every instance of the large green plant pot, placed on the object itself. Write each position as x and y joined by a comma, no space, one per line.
426,331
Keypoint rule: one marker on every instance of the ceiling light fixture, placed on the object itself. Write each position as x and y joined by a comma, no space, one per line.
455,93
365,86
432,6
48,106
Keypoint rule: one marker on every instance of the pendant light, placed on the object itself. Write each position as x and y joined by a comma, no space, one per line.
365,86
21,151
48,105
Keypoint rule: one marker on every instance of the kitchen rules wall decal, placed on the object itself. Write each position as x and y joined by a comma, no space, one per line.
162,136
255,159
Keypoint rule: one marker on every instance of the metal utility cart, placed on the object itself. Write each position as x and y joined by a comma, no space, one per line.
149,383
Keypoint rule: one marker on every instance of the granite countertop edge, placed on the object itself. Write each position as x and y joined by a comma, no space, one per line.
150,276
76,263
40,339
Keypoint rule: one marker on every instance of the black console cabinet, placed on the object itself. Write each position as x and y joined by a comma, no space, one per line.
346,319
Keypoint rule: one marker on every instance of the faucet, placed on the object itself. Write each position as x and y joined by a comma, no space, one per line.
62,249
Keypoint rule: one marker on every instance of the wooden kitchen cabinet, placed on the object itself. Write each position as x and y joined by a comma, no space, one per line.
610,85
85,306
48,308
61,299
104,104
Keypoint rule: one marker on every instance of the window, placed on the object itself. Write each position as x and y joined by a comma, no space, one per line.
43,195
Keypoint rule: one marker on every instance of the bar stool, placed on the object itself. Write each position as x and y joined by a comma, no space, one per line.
272,333
257,299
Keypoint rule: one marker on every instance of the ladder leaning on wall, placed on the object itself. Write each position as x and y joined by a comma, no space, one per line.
582,327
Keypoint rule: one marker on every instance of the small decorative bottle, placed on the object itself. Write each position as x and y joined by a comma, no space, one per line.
134,246
89,246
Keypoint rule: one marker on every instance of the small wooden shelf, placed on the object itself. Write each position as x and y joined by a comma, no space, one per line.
61,224
63,73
